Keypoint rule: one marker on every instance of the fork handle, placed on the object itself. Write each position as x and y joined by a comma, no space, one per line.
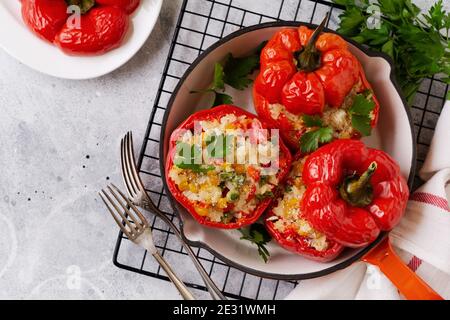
181,287
213,290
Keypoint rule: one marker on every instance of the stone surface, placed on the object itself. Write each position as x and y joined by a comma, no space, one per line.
59,146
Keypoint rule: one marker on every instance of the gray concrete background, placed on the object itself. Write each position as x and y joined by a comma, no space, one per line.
59,145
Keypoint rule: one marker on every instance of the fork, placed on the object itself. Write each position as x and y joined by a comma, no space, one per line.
140,198
138,231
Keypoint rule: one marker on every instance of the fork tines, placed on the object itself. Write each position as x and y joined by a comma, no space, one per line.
131,222
130,174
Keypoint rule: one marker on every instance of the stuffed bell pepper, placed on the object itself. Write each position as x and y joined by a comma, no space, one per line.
352,192
288,225
80,27
223,166
309,82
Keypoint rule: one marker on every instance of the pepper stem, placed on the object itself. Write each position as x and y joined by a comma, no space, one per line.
84,5
308,59
358,191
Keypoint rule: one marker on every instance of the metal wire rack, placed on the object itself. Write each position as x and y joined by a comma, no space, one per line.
200,24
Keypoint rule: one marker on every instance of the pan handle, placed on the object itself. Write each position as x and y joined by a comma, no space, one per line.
407,282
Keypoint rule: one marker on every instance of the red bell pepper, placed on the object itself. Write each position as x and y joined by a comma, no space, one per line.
353,192
296,233
232,218
308,73
102,24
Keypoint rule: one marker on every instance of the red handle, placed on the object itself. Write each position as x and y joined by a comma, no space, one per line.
407,282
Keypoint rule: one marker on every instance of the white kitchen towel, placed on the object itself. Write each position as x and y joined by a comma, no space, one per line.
425,228
422,238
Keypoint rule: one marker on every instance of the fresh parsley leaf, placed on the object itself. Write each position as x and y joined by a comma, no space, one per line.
237,70
418,43
234,72
388,48
377,36
258,235
218,82
222,98
436,15
362,124
360,112
361,105
195,167
351,21
219,85
312,121
310,141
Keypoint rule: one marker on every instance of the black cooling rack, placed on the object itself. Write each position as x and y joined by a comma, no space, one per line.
200,24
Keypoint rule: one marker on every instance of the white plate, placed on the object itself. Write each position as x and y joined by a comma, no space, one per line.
42,56
393,134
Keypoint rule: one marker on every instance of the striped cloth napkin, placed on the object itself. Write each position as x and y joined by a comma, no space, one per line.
422,239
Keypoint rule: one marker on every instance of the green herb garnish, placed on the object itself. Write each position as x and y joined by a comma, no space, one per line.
310,141
360,112
237,70
258,235
234,72
418,43
312,121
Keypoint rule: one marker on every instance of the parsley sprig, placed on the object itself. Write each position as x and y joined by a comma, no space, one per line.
258,235
360,113
321,134
235,72
418,43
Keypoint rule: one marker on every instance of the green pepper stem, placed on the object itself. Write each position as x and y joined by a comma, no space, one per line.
360,184
309,58
358,191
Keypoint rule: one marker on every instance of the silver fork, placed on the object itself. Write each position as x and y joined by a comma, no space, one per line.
139,197
138,231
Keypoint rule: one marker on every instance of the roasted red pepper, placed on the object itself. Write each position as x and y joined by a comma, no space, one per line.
288,225
102,24
306,72
353,192
220,193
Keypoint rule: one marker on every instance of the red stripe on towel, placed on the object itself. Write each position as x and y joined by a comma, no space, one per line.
414,263
432,199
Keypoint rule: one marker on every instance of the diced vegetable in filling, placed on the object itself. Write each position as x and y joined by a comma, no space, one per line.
234,174
287,216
